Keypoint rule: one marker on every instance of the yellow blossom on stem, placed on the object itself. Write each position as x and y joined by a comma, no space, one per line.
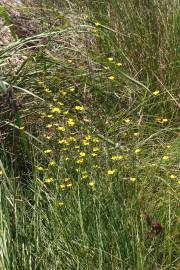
127,120
85,142
69,185
39,168
156,93
97,23
111,172
72,89
61,128
60,203
71,122
136,134
82,154
79,108
111,78
88,137
62,186
69,61
47,151
138,150
110,59
48,180
173,177
80,161
49,126
95,149
56,110
52,163
133,179
165,158
117,157
49,116
95,140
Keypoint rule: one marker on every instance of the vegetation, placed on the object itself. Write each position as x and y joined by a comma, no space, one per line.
89,136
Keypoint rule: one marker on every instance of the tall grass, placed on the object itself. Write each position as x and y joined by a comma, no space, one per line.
89,138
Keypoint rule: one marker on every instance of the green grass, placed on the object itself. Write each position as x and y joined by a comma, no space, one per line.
111,161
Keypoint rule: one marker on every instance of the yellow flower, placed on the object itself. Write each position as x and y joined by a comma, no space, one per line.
72,139
61,128
117,157
84,175
95,149
63,93
133,179
61,203
85,142
106,68
79,108
48,151
80,161
63,141
55,99
48,137
47,90
118,64
165,158
72,89
48,180
136,134
69,185
1,173
88,137
49,115
69,61
93,154
172,176
65,112
111,172
82,154
110,59
39,168
62,186
71,122
49,126
156,93
91,184
76,146
127,120
52,163
95,140
138,150
56,110
164,120
97,23
111,78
